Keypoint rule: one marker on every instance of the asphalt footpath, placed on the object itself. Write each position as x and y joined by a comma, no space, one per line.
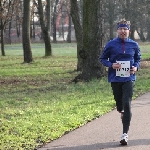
105,132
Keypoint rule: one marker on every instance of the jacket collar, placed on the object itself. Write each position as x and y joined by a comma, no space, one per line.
119,39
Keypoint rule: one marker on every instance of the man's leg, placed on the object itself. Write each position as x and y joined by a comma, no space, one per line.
117,92
127,97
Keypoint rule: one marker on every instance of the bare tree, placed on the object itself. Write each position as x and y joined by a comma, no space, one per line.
26,32
92,40
78,32
111,17
45,26
6,12
54,16
69,29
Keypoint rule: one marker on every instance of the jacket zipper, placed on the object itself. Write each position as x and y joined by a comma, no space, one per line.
123,46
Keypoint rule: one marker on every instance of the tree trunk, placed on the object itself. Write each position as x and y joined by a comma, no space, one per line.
69,31
48,13
101,68
26,33
2,34
111,19
148,35
45,28
78,32
54,22
2,39
148,30
92,39
9,34
132,31
141,35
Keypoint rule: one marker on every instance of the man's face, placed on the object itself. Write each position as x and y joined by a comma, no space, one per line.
123,32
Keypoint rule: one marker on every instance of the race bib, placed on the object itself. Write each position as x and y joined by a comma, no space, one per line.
124,71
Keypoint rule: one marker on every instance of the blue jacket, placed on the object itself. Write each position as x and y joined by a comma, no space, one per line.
118,50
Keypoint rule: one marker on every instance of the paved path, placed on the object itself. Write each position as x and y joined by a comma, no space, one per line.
105,132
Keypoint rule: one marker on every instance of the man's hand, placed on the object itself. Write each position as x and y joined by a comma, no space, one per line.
116,66
133,70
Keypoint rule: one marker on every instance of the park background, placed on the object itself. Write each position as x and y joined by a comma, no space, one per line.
43,91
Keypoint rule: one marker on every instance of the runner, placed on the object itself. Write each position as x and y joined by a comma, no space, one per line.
122,57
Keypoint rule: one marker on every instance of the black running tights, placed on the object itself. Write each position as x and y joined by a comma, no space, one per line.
123,92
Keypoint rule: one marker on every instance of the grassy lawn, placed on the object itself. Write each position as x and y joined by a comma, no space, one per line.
38,103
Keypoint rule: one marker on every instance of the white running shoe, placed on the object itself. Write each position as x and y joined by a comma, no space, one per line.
124,139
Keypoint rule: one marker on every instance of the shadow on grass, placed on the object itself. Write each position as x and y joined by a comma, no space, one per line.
39,89
43,85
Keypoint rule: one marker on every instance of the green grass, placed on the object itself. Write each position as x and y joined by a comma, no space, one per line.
38,103
145,50
39,50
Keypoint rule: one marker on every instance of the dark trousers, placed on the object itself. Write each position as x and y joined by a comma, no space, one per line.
123,92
